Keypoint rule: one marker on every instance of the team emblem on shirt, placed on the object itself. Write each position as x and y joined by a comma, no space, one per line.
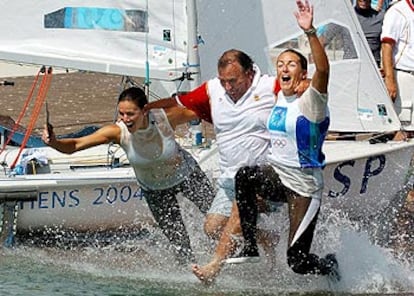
277,119
279,142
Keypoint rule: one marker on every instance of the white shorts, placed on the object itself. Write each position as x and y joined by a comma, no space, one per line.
223,201
404,103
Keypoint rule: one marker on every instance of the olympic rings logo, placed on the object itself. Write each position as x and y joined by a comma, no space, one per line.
280,143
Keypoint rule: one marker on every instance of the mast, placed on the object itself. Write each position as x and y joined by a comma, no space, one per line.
193,70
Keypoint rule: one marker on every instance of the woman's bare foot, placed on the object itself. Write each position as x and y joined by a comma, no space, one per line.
207,273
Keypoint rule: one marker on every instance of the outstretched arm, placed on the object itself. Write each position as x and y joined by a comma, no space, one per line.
106,134
196,101
304,17
159,104
179,115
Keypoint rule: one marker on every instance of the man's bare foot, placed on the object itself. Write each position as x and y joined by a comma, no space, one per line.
207,273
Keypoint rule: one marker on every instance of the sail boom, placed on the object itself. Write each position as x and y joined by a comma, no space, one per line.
92,65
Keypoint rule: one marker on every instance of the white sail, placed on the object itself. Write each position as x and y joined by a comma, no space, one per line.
151,39
358,98
118,37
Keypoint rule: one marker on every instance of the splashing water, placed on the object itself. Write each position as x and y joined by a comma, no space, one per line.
141,264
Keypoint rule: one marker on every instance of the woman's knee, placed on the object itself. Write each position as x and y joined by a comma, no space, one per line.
246,174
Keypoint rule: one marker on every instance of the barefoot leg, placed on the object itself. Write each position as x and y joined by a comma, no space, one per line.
226,246
207,273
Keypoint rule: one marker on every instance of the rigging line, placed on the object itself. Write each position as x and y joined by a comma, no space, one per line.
35,113
121,87
131,82
110,155
174,36
147,72
24,109
41,96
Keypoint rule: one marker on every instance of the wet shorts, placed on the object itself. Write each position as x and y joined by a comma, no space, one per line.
223,201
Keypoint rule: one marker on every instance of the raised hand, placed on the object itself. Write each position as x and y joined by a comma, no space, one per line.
304,15
48,136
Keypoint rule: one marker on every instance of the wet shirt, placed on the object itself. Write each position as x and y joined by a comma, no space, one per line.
298,127
297,138
157,159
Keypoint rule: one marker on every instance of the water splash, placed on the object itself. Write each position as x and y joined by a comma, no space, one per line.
138,261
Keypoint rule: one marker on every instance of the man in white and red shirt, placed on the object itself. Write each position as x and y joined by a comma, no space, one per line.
397,47
238,102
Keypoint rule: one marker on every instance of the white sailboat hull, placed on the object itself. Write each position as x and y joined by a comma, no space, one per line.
361,178
84,195
360,181
93,201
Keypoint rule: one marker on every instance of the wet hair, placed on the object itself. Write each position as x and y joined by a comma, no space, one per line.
302,58
234,55
134,94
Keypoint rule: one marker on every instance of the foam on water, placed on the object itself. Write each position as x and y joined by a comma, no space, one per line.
369,268
143,262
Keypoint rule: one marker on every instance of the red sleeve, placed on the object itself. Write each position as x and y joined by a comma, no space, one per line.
388,40
198,101
277,86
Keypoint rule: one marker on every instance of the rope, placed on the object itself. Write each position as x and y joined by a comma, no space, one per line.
147,68
41,96
24,109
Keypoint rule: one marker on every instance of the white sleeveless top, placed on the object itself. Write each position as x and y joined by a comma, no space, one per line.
157,159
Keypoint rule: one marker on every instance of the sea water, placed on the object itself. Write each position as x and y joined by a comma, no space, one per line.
141,263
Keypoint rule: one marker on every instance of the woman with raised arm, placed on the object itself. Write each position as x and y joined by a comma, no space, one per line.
298,126
293,172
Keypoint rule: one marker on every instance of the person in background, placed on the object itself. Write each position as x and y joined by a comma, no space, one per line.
298,126
162,168
371,23
397,49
